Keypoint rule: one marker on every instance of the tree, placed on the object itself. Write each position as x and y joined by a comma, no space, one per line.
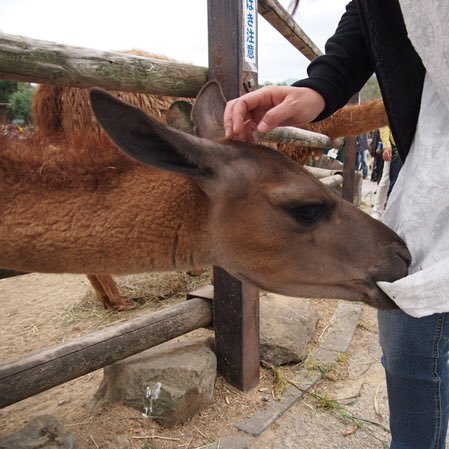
7,88
370,91
20,102
269,83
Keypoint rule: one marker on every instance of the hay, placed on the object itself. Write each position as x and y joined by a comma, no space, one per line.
151,291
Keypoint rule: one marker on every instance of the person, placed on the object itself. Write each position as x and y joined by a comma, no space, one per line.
376,150
392,166
405,43
361,144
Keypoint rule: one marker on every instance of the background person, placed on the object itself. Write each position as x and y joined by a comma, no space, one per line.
391,167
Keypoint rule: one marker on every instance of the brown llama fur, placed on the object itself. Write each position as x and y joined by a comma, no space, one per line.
351,120
70,150
72,203
66,109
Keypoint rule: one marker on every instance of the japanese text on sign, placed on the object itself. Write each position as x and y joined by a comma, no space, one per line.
250,32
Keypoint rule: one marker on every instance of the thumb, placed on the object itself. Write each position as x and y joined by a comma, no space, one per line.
274,117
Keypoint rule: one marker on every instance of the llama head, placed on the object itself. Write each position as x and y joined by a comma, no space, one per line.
269,221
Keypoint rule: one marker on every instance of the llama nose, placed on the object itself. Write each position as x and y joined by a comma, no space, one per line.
402,251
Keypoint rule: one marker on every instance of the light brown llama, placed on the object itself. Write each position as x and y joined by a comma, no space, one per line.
65,111
77,206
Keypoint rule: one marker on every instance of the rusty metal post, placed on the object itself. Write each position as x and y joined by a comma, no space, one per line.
233,62
349,162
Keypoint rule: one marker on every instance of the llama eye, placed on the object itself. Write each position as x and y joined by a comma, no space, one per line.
308,214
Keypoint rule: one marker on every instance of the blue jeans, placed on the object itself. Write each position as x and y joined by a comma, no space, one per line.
360,162
395,168
416,362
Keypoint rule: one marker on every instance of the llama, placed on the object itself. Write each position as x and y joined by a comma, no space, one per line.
66,110
177,201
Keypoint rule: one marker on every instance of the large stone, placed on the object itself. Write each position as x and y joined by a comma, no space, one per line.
286,326
42,432
169,383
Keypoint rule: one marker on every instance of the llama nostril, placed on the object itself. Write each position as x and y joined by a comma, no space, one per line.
404,254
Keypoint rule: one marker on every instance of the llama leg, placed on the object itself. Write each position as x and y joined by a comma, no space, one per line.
195,272
200,271
99,292
108,294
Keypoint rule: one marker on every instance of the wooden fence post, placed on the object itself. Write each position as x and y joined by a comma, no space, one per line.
233,62
349,162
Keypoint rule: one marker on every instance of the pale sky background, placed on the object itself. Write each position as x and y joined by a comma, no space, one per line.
175,28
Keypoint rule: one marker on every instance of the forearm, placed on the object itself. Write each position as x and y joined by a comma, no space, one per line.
344,68
385,137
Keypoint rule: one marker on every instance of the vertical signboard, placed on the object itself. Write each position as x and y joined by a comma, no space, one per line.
250,35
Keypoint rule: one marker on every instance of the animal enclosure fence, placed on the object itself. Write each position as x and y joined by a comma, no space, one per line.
233,62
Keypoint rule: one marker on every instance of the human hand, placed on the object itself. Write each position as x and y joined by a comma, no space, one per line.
269,107
387,155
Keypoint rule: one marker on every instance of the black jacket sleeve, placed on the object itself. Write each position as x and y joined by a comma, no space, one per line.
344,68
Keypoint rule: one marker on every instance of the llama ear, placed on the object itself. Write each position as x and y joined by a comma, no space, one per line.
208,111
151,143
178,116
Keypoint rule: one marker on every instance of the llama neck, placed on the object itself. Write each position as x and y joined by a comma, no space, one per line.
141,220
352,120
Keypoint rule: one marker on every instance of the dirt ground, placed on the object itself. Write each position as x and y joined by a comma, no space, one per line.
42,310
347,409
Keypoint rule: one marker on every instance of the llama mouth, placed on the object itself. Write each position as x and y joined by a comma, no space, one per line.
356,290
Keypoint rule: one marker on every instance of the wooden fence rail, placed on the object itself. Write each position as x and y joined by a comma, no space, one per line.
32,60
290,134
45,369
283,22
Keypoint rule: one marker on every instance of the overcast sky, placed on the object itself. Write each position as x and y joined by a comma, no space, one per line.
175,28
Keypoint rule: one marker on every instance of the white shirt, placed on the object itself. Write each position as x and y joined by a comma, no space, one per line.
418,210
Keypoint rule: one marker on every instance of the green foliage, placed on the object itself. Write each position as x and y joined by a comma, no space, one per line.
269,83
7,88
370,91
20,102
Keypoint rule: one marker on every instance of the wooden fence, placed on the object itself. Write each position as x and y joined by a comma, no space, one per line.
235,305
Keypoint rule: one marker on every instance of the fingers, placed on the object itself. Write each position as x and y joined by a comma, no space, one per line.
387,156
274,117
269,107
237,113
228,119
250,131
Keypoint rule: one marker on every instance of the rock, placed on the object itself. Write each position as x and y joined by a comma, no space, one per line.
170,382
42,432
286,326
120,442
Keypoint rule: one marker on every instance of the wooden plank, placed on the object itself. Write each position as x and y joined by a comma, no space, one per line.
236,323
300,137
348,169
38,61
236,305
273,12
332,181
204,292
322,172
349,162
45,369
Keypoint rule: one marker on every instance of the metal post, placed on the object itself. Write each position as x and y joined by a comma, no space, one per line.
233,62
